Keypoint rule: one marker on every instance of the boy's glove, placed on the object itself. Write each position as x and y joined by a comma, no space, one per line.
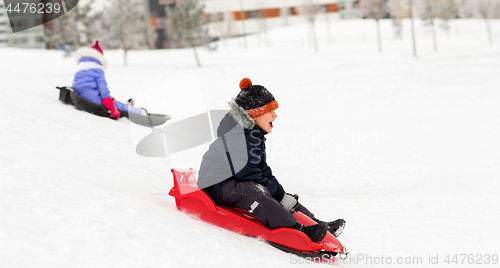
289,202
110,104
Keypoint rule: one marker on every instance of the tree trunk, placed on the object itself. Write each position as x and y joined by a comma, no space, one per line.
196,56
264,25
413,31
434,35
125,51
488,29
286,10
242,17
124,45
225,29
88,34
313,34
328,26
379,39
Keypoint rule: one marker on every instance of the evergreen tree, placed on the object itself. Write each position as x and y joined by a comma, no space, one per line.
186,26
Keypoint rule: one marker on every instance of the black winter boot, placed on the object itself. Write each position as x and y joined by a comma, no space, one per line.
315,232
335,227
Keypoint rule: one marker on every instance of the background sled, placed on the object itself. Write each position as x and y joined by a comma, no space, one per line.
68,96
190,199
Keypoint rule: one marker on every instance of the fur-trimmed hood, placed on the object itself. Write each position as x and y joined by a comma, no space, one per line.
240,115
91,53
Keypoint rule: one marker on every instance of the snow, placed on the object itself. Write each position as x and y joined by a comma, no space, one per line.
406,150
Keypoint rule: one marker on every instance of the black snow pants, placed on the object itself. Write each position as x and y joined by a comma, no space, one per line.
251,196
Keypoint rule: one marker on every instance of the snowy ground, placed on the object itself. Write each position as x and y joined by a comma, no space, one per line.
406,150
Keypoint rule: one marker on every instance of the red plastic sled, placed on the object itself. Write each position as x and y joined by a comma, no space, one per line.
190,199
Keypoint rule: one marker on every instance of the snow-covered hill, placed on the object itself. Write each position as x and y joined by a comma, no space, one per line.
406,150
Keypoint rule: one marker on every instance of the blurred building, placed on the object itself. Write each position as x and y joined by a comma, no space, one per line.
31,38
229,18
4,27
158,20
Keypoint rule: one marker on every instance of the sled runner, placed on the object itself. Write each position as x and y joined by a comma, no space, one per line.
190,199
68,96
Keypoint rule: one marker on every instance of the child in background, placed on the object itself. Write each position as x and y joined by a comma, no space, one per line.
234,171
90,83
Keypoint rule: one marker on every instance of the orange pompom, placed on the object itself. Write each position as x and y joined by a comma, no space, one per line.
245,83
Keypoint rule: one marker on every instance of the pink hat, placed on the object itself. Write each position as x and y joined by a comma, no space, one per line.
97,47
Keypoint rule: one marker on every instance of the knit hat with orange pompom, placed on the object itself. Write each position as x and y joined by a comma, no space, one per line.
255,99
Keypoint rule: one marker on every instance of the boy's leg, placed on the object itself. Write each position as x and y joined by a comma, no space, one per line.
304,210
335,227
255,197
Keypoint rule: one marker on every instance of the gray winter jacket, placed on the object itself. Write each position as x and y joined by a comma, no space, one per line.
238,153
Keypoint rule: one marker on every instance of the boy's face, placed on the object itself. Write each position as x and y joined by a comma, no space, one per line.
265,121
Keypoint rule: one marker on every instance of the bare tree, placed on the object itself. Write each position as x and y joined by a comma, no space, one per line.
448,11
465,8
497,9
328,24
398,10
243,18
187,25
308,8
486,9
99,23
227,27
261,20
375,9
429,12
285,12
71,30
127,24
83,19
62,33
413,39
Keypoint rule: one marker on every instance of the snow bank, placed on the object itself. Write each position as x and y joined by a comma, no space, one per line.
405,150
